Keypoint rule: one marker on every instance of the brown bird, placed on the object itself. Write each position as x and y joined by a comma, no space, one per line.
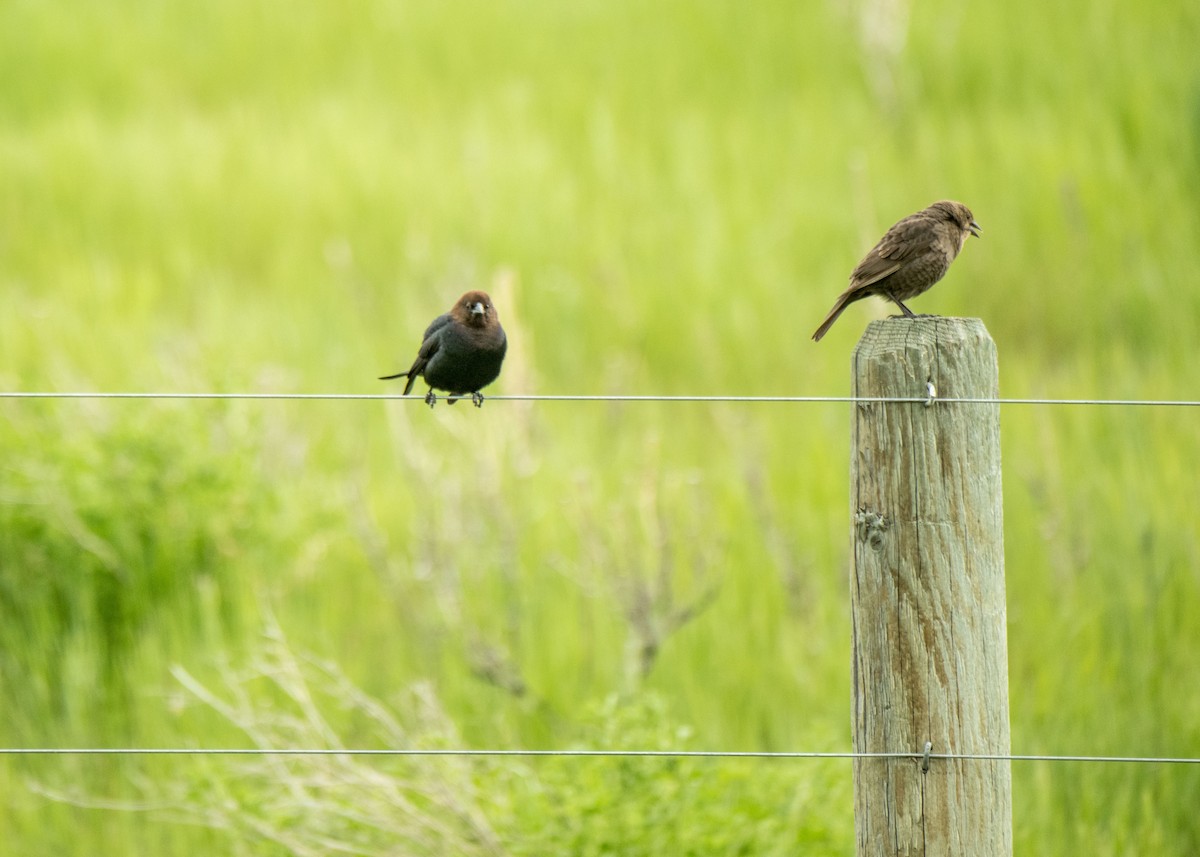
912,256
461,351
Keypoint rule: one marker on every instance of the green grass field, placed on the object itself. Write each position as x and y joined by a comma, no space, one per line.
661,198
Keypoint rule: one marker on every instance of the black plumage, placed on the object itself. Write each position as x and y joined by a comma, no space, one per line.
461,351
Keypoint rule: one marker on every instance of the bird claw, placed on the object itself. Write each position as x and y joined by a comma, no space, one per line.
477,398
430,399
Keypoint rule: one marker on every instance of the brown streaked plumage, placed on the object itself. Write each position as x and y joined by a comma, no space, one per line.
461,351
912,256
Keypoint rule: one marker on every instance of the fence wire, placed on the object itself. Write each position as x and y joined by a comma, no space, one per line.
525,753
618,397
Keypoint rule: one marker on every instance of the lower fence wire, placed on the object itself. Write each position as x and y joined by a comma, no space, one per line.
673,754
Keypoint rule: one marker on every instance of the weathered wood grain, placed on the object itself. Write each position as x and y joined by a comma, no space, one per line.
930,659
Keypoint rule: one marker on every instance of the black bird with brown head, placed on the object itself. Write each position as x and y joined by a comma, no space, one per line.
461,351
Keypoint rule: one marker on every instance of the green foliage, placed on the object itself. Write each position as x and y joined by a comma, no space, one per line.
128,520
662,198
689,806
467,805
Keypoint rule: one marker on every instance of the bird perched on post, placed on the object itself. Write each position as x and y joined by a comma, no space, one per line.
461,351
912,256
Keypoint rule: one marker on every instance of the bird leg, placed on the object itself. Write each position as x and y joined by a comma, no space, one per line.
477,398
430,398
907,312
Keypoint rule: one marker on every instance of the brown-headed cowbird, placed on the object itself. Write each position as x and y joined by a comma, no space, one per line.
461,351
912,256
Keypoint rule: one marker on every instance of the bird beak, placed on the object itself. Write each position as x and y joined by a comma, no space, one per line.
478,309
974,228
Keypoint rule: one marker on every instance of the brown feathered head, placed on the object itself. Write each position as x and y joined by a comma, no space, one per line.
958,214
475,309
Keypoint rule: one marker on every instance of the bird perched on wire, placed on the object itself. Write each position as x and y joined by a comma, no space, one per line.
912,256
461,351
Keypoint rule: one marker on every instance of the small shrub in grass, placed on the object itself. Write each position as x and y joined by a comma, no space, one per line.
480,805
651,805
111,516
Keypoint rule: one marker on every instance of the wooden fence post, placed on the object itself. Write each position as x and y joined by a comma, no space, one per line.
927,593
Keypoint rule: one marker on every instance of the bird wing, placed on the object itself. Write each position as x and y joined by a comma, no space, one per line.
435,325
429,347
871,270
909,238
431,341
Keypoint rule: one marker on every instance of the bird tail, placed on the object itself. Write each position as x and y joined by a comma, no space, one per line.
841,304
410,375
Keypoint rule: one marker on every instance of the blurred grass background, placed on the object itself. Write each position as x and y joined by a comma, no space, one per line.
661,198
